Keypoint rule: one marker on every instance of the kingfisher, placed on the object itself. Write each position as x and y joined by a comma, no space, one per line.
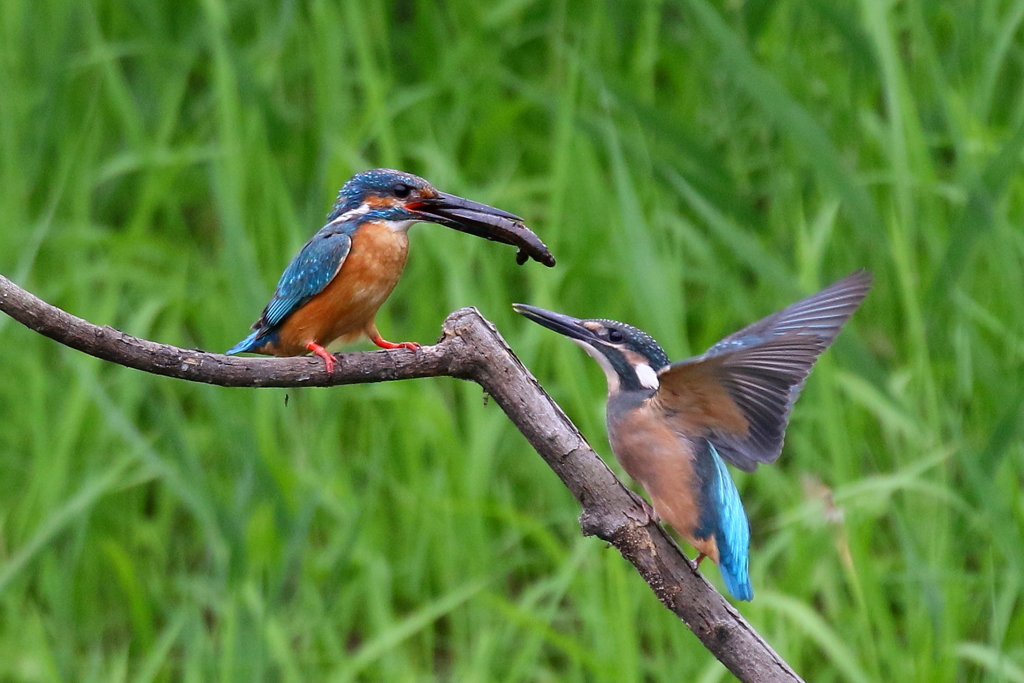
674,426
333,288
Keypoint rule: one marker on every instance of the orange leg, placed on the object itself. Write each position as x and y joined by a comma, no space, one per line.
322,352
374,335
700,558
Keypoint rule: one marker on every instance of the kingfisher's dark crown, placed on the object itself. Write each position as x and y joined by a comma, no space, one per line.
377,182
633,338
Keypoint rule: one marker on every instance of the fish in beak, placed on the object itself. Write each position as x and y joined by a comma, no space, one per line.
484,221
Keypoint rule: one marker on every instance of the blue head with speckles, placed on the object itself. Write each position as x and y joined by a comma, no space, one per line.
629,356
382,194
401,199
627,337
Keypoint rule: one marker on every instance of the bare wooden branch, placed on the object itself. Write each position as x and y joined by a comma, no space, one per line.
470,348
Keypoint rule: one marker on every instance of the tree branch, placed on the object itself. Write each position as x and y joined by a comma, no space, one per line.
472,349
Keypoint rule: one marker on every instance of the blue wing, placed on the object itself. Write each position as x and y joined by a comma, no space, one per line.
723,517
310,271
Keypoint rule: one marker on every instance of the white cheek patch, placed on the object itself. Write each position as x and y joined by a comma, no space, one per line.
353,214
647,376
360,211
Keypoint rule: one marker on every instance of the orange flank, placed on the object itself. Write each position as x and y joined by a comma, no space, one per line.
346,307
666,471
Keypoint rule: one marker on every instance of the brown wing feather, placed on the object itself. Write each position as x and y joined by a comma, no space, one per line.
740,393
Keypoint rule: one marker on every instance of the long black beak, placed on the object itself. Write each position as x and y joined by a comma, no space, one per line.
560,323
483,221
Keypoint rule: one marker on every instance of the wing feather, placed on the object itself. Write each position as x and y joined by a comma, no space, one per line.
825,312
310,271
740,393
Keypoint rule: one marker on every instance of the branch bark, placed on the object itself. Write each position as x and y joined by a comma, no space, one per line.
471,349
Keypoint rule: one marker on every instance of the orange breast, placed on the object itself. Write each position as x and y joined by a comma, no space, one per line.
349,302
662,463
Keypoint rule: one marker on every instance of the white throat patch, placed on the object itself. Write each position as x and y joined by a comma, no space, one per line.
609,371
400,226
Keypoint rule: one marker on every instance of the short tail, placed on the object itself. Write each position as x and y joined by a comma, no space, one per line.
732,535
737,579
250,343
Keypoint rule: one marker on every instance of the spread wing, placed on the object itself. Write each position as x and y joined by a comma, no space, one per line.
740,393
313,267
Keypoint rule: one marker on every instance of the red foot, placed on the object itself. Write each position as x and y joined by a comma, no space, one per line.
700,558
384,344
322,352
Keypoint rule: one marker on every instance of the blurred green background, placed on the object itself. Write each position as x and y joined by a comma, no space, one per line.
693,165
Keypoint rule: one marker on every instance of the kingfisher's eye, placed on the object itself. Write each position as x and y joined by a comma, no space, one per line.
401,190
614,336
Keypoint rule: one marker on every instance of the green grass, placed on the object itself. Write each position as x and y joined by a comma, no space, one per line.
692,165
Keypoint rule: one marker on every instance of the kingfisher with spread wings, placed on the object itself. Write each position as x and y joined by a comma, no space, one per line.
674,426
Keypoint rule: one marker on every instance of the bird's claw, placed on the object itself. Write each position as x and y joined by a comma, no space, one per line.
385,344
649,513
697,560
323,353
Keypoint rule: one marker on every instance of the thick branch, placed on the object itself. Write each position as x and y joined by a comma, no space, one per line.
470,348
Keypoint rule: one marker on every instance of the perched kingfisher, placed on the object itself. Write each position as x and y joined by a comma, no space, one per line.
334,286
673,426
